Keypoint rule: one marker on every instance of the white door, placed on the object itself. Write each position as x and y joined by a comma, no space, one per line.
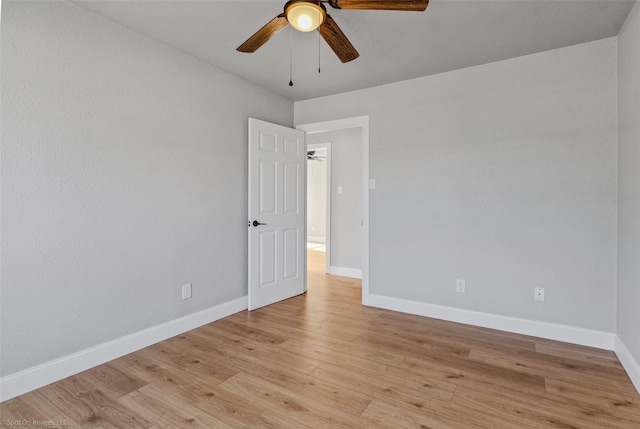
277,160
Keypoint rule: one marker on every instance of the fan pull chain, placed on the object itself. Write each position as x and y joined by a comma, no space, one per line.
318,30
291,58
318,51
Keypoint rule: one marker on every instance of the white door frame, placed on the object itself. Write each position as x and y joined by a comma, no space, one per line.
327,228
363,123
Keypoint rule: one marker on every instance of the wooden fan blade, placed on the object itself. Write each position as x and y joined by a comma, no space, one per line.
264,34
409,5
336,39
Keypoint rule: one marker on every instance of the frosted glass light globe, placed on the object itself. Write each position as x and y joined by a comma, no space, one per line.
305,16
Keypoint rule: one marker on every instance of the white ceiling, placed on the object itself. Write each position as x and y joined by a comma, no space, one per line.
393,46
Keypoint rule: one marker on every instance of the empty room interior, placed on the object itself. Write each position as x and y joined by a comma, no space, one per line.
475,261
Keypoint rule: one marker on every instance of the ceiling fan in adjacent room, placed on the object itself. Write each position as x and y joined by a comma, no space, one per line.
313,156
307,16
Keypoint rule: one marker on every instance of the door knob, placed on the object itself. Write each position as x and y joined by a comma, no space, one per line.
256,223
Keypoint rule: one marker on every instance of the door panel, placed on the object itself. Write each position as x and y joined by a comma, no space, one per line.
291,191
268,258
291,250
267,187
277,160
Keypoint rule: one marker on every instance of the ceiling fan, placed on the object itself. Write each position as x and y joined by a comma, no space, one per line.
312,156
306,15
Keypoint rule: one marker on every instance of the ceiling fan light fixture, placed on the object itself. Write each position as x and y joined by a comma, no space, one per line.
309,15
304,16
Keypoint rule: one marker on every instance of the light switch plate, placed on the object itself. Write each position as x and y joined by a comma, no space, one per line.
186,291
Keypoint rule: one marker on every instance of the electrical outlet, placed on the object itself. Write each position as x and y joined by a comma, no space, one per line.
460,286
538,293
186,291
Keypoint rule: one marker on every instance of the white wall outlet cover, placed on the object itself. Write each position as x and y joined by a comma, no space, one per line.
372,183
460,286
339,189
538,293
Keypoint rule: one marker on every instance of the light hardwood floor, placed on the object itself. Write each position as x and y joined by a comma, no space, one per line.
322,360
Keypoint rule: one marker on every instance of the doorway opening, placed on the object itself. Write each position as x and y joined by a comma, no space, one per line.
350,259
319,206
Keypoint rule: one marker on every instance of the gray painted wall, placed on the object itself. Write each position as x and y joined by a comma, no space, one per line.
346,208
123,177
629,183
503,175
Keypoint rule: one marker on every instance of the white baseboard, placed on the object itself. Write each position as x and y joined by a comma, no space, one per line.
552,331
32,378
316,240
345,272
630,365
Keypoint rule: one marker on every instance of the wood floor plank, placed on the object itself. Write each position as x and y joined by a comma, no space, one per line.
158,374
255,332
384,387
34,410
162,409
596,395
295,381
411,344
388,415
322,360
272,420
288,376
112,381
355,355
296,407
586,354
513,413
261,355
391,413
543,410
462,371
199,367
91,407
386,356
349,368
232,409
390,357
551,366
315,327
